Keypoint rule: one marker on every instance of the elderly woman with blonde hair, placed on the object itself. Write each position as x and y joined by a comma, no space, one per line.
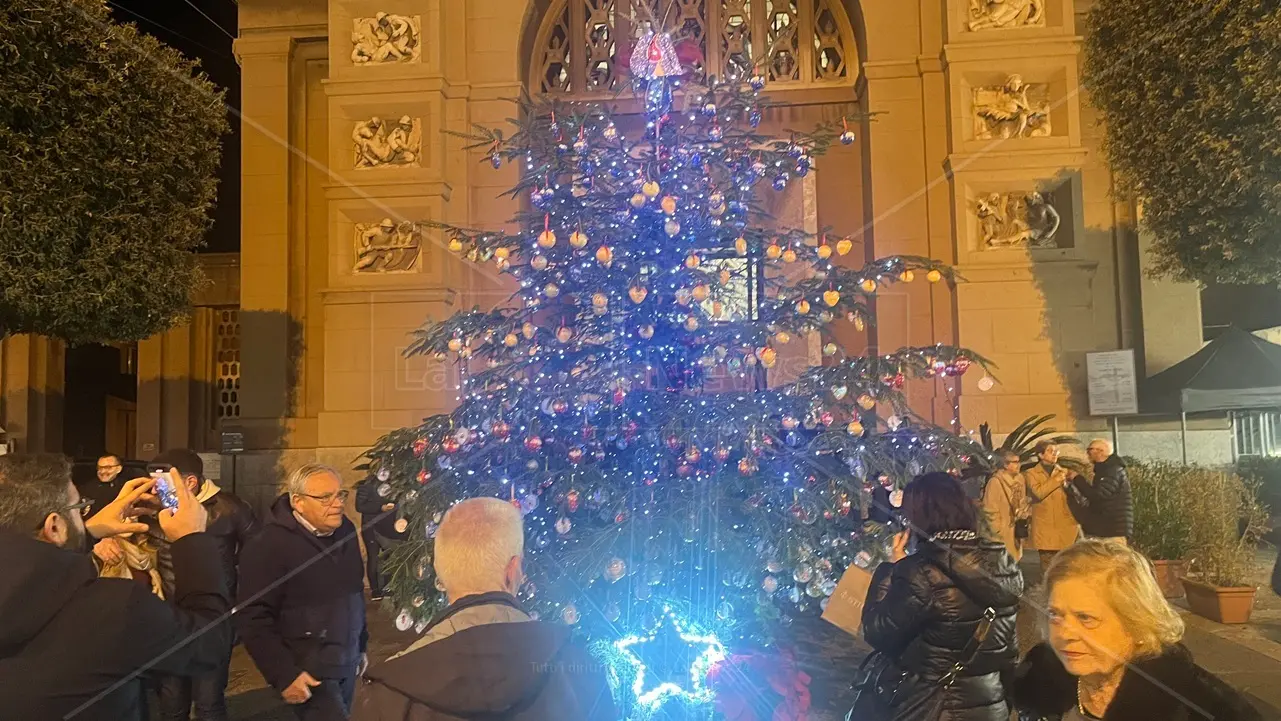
1114,648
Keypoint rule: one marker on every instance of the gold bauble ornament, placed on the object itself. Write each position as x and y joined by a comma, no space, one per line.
455,344
782,337
859,324
646,331
831,297
564,334
510,340
538,262
740,245
668,204
528,330
773,251
701,292
691,323
824,251
855,428
547,239
866,402
604,255
637,293
455,245
768,357
907,276
868,285
551,290
844,246
803,306
502,253
672,227
578,239
789,256
692,261
638,201
650,189
934,276
600,300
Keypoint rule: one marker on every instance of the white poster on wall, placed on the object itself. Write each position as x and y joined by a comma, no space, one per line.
1114,388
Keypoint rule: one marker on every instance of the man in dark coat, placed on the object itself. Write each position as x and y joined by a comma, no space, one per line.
484,657
1104,508
231,524
301,597
73,645
377,529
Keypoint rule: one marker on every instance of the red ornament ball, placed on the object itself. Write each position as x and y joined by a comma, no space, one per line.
533,444
423,476
560,405
420,447
576,454
826,418
449,445
721,453
619,397
571,500
500,430
747,466
630,428
674,442
693,455
684,470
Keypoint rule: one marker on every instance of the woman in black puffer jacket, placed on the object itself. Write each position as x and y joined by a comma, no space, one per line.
923,609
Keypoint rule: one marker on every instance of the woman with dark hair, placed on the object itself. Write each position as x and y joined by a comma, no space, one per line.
941,618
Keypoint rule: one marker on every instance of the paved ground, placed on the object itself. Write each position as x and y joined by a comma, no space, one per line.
1248,657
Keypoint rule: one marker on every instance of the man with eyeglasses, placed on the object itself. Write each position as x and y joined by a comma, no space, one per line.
301,597
73,645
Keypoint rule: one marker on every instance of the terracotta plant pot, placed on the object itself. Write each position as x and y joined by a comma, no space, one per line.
1169,576
1224,605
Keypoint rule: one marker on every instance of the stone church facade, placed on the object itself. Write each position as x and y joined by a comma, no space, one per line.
982,151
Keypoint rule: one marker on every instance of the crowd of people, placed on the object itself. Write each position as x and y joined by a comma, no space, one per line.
111,597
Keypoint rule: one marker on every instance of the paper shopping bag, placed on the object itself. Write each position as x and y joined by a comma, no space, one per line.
845,607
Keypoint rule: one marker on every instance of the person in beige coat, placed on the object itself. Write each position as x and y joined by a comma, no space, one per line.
1053,526
1005,501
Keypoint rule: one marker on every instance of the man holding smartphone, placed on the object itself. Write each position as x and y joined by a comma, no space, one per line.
73,645
231,523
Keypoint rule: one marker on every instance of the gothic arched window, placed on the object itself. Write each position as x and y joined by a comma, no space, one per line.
582,44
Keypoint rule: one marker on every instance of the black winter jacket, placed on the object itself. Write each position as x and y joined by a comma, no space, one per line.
1104,508
301,598
1168,688
231,523
372,516
67,636
489,661
923,611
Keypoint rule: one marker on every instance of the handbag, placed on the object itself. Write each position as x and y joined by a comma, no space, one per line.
884,693
1022,528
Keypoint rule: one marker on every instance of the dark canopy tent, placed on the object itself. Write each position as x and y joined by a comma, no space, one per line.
1235,371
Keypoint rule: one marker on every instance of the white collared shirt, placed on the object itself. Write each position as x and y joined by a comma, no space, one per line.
310,528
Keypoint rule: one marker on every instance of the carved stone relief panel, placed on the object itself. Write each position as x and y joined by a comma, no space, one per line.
1014,109
387,247
386,38
380,143
1018,220
1002,14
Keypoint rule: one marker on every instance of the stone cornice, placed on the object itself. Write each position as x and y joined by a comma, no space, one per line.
373,295
1033,48
274,42
961,164
1024,269
384,189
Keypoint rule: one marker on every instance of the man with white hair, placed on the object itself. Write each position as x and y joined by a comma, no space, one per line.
1104,508
301,597
484,656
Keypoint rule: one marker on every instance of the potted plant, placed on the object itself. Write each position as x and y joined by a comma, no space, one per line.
1226,521
1162,495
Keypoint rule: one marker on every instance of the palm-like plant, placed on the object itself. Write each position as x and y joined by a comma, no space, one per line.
1023,439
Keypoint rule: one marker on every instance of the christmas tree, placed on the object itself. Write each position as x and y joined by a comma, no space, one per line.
672,496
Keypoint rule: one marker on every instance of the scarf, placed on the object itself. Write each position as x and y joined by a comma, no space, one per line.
137,557
207,491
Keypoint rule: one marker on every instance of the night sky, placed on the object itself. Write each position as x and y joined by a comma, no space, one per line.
202,30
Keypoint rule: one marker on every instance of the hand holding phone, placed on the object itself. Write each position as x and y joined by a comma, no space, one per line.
165,488
186,515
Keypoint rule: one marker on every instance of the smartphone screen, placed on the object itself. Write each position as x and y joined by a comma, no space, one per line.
164,489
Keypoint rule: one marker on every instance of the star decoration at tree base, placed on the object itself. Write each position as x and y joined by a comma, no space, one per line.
630,675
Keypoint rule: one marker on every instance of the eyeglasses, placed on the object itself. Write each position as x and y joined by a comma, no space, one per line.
109,468
328,498
84,505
